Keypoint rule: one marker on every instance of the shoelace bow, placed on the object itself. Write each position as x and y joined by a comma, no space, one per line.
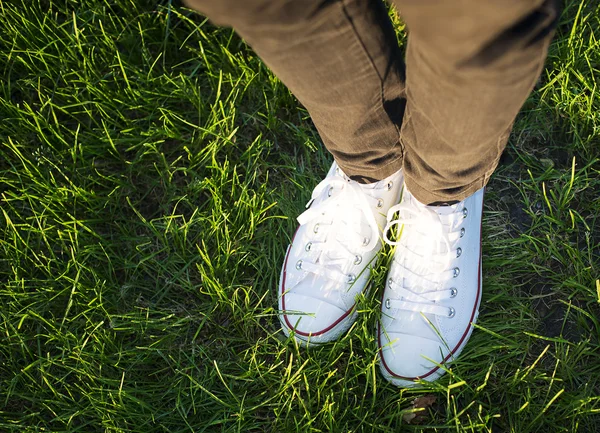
339,211
415,292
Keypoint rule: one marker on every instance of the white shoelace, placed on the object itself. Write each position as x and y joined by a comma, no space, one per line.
437,234
347,213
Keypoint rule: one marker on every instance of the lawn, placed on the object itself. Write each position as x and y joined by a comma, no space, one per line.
151,169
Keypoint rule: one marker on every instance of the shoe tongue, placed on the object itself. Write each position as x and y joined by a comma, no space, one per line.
368,186
445,209
424,251
364,180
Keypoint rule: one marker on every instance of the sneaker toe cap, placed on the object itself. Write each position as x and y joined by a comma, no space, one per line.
406,358
313,318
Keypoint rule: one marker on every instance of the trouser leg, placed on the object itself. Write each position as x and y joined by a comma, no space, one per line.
470,66
341,60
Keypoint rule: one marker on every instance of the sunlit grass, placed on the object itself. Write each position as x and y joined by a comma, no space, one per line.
151,172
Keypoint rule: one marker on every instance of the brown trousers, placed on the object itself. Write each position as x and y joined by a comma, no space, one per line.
444,116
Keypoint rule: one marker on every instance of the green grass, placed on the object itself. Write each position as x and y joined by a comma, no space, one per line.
151,172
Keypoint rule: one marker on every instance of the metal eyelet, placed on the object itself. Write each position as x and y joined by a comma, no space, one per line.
308,246
458,252
462,232
351,278
456,272
388,304
390,185
299,265
451,312
330,191
366,242
316,228
357,259
453,292
380,203
465,212
389,281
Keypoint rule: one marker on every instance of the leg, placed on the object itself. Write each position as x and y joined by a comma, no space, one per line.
340,59
470,66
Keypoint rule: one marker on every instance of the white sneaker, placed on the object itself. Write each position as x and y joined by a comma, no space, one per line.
333,250
433,289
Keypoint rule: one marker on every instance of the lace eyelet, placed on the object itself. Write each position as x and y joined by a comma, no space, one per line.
390,185
389,281
366,242
351,278
330,191
357,259
388,304
458,252
308,246
451,313
299,265
316,228
380,203
465,212
453,292
456,272
462,232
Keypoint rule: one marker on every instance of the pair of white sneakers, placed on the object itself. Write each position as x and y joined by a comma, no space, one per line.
433,288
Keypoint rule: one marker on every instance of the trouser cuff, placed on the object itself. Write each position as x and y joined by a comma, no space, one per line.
443,195
375,174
